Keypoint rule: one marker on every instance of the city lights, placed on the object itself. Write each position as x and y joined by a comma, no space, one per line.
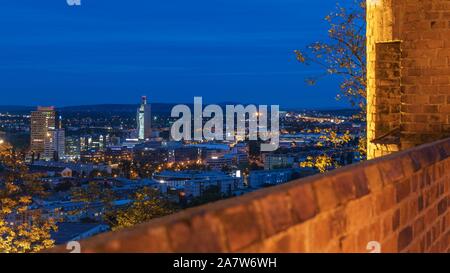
187,127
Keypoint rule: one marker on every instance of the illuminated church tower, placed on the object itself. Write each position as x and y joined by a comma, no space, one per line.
144,120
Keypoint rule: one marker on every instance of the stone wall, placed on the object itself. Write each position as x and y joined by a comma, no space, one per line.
400,201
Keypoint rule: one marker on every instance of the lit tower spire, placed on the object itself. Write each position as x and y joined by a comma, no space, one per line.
144,118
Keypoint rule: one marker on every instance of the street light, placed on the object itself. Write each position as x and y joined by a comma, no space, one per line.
1,141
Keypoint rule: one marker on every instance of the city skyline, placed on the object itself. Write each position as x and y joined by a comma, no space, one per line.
212,127
223,51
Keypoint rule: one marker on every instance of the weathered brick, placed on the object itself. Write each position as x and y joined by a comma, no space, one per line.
349,243
179,234
420,203
396,220
292,241
141,240
419,226
426,156
390,244
407,212
208,234
202,233
241,226
350,185
391,171
304,202
324,228
359,213
403,189
374,179
442,206
384,200
404,238
276,210
319,234
326,196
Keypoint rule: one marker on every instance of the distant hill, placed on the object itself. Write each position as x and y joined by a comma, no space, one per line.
340,112
16,109
98,108
157,108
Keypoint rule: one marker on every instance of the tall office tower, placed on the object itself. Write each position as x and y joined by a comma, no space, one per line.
43,121
144,120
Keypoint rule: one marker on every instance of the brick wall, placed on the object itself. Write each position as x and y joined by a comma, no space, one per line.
380,17
385,134
425,31
387,92
400,201
422,31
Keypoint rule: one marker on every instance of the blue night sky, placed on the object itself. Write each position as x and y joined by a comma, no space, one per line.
111,51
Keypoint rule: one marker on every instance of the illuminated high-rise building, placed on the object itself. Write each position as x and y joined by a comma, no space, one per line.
47,136
144,120
43,121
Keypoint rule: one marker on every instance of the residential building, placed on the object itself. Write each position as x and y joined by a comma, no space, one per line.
259,179
194,183
277,161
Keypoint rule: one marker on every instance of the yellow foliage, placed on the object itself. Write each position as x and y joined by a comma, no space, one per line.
27,231
146,206
324,162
